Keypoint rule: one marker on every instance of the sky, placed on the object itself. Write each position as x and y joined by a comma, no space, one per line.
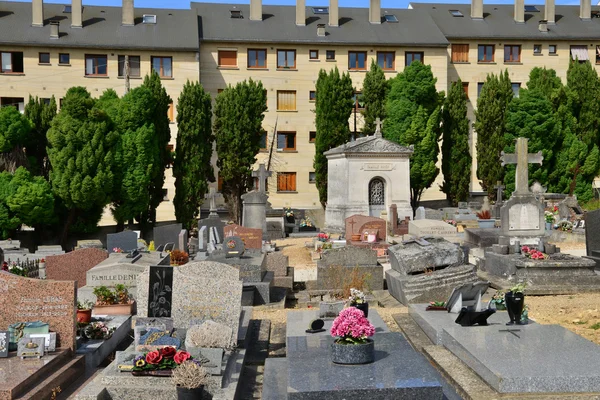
342,3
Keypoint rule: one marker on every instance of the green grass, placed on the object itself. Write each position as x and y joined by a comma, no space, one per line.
596,326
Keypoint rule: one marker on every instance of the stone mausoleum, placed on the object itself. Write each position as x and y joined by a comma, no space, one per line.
366,177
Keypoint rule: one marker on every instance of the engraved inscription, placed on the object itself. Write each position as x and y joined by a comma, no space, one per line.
377,167
523,217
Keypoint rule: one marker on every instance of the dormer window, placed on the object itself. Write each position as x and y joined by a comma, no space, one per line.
320,10
149,19
236,14
67,10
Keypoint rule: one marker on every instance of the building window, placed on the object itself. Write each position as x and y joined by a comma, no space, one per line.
64,58
330,55
44,58
386,60
219,184
286,58
485,53
11,62
552,49
170,150
357,100
286,182
312,136
257,58
96,65
165,194
134,66
465,86
311,177
227,58
537,49
286,100
312,95
171,112
413,56
286,141
579,53
460,53
515,88
357,60
16,102
263,141
479,87
512,53
313,54
163,66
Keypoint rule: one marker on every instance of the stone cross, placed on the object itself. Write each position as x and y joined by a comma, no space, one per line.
500,190
378,124
262,174
212,196
522,159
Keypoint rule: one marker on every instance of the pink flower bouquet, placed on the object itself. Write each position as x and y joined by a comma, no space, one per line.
533,253
352,327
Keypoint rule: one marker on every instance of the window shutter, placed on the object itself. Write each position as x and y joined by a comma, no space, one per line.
292,185
286,100
227,58
460,53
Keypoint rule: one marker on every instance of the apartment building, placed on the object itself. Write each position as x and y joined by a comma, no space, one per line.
47,48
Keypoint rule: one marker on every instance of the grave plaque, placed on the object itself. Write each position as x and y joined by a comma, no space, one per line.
160,291
49,340
234,246
251,237
30,347
53,302
126,241
167,234
523,217
112,274
3,344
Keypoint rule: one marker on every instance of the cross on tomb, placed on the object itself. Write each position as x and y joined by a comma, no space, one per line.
418,240
212,196
511,331
352,222
378,124
500,190
262,174
522,159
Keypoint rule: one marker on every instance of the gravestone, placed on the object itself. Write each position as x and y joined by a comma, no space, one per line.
336,266
252,238
4,344
73,266
167,234
234,246
592,234
213,220
160,291
202,238
256,202
279,264
420,214
89,244
430,227
126,241
50,301
569,209
357,224
182,240
201,291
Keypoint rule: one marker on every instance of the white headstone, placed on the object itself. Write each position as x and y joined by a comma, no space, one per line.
420,214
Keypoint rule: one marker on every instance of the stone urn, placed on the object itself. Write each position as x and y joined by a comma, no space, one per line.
353,354
514,305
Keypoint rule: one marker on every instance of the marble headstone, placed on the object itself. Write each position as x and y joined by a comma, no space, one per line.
430,227
202,238
251,237
167,234
126,241
357,224
420,214
182,240
212,222
73,266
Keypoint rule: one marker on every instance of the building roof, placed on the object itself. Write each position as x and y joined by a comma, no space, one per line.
175,30
414,27
498,22
371,145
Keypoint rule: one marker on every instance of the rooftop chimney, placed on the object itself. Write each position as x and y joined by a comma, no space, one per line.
320,29
301,12
54,25
543,26
520,11
375,11
127,18
585,10
76,14
256,10
37,13
549,13
477,9
333,13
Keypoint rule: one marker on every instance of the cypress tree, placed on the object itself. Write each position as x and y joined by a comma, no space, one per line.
41,115
14,132
333,107
374,91
192,168
456,155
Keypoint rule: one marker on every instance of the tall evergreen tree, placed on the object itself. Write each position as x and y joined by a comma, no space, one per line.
333,107
490,125
374,91
81,150
41,115
239,113
14,131
456,155
192,167
414,118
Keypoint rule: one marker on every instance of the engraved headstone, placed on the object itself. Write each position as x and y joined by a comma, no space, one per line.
251,237
167,234
357,224
73,266
87,244
126,241
160,291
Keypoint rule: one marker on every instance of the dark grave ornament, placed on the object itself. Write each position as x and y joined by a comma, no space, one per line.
4,337
470,318
160,291
514,305
316,326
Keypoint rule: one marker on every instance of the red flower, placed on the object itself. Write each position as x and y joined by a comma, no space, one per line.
168,352
154,357
181,356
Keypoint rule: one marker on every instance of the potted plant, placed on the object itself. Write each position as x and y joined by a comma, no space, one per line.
84,311
117,302
357,299
159,362
549,218
352,331
98,331
289,216
436,306
515,300
484,217
190,377
498,300
179,257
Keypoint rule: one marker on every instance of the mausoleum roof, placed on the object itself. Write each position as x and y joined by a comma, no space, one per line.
371,145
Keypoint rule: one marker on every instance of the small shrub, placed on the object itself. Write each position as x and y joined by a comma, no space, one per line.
191,375
179,257
596,326
484,214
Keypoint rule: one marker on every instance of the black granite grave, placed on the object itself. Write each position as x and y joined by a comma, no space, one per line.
160,291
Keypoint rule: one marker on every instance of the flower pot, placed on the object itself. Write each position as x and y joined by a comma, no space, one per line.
353,353
548,226
355,238
364,307
190,394
514,306
84,316
115,309
290,220
486,223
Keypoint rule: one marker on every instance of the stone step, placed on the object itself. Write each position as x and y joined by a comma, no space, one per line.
58,381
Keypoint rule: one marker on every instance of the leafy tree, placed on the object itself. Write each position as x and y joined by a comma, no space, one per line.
374,91
490,121
9,221
14,130
81,147
545,81
456,156
333,107
239,112
414,118
41,115
192,167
